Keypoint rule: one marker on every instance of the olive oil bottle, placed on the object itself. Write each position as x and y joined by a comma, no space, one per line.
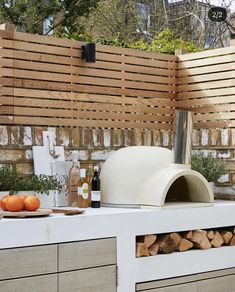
84,189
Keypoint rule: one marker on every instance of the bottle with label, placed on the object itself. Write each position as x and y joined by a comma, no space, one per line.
74,181
95,189
89,180
84,189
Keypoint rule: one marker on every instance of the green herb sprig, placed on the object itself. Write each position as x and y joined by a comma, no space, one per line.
210,167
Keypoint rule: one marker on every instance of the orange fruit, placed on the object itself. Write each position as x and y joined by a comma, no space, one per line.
14,203
3,202
31,203
22,197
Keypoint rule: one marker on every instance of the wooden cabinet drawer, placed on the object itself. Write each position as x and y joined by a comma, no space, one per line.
87,254
28,261
225,284
217,281
102,279
46,283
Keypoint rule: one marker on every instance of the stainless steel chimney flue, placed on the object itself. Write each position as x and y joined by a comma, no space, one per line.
182,146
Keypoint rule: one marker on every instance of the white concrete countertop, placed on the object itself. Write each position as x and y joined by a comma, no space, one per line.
125,225
106,222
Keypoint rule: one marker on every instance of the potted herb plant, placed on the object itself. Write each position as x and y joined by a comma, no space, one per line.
44,186
39,183
9,180
210,167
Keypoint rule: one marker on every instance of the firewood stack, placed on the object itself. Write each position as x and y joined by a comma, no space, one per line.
152,244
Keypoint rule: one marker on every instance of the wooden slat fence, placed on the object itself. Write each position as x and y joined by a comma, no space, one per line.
206,85
44,81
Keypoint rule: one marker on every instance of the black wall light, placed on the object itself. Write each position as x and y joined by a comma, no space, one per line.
88,52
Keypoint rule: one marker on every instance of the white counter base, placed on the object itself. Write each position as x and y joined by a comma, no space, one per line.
125,225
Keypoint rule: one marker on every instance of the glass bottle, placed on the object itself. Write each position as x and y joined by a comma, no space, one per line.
74,180
95,189
89,180
84,189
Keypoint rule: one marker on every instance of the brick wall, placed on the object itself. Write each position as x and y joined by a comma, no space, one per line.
95,145
221,143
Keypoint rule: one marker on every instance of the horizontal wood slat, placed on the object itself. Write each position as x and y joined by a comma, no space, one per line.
207,102
73,63
83,71
227,91
31,38
208,53
81,88
88,123
44,81
206,84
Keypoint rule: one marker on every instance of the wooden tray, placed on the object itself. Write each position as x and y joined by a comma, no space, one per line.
68,211
23,214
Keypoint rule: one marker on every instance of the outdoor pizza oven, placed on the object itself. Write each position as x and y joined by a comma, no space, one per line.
153,176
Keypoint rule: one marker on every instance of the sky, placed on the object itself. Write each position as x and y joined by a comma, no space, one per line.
216,2
219,2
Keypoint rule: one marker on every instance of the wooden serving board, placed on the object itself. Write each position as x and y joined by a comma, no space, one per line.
68,211
23,214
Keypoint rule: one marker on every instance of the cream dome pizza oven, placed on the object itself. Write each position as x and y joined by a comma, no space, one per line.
153,176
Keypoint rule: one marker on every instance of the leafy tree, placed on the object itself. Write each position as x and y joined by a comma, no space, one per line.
165,42
143,20
28,15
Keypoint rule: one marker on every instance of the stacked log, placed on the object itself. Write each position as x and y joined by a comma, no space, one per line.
152,244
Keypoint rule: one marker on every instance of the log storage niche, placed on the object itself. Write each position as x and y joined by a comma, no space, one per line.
143,176
153,244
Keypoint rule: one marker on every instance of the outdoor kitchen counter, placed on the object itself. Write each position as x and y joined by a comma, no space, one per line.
125,225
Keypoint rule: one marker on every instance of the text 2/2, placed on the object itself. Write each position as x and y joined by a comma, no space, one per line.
217,14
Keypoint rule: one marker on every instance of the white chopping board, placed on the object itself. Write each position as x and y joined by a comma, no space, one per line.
42,157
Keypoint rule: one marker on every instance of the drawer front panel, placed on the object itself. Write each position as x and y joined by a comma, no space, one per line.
47,283
217,281
225,284
102,279
28,261
87,254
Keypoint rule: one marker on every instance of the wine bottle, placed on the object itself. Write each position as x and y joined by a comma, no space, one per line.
89,178
95,189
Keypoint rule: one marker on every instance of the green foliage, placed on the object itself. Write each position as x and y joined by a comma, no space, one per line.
210,167
165,42
41,183
9,179
88,20
116,42
75,31
12,181
29,14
